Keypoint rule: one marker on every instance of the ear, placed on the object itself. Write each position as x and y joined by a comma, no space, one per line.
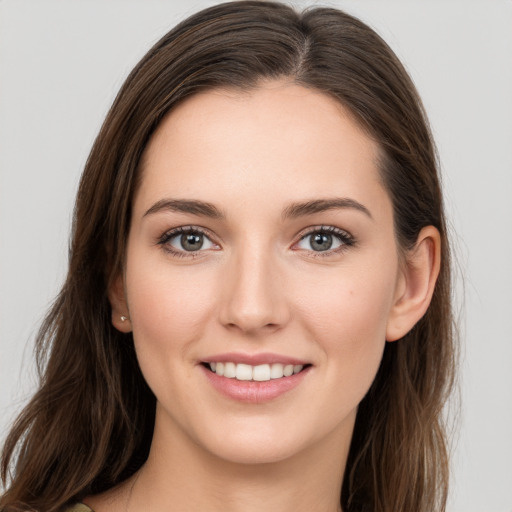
117,298
416,284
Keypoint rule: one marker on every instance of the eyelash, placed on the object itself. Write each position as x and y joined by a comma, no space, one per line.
345,238
182,230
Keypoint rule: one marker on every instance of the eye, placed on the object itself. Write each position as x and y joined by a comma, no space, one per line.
184,240
325,239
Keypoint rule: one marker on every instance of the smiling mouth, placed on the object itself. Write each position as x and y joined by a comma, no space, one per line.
258,373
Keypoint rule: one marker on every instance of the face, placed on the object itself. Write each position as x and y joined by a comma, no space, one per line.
261,244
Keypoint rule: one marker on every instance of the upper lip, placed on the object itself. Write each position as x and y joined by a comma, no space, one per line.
254,359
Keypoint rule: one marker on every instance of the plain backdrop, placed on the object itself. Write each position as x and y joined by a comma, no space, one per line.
62,62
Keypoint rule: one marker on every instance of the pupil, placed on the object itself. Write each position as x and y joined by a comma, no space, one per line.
191,242
321,242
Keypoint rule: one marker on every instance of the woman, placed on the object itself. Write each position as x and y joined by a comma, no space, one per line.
257,308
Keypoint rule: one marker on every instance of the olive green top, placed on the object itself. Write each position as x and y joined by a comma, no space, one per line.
79,507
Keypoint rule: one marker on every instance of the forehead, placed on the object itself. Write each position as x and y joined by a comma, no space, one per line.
279,140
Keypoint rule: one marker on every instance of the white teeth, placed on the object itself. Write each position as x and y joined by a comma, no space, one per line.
276,371
288,370
259,373
230,370
244,372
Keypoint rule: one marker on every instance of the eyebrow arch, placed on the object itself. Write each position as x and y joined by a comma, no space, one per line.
192,206
321,205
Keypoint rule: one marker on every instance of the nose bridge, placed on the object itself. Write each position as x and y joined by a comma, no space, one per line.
255,298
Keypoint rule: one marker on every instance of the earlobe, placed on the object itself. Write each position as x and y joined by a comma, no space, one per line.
417,283
117,298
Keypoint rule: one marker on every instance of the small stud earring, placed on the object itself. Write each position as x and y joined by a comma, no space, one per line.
124,318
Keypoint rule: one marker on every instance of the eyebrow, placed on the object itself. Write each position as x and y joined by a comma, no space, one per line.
192,206
295,210
321,205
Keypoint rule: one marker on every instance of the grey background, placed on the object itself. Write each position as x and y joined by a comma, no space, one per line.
61,63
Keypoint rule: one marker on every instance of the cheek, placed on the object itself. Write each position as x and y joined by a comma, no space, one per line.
350,306
347,318
169,310
163,298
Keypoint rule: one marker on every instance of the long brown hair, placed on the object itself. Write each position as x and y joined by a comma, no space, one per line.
89,426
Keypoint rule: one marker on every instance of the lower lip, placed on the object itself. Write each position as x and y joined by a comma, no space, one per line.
254,392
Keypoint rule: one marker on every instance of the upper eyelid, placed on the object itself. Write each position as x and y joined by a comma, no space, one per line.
347,241
324,228
334,230
345,237
164,241
169,233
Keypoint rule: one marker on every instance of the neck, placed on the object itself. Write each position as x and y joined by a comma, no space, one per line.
180,475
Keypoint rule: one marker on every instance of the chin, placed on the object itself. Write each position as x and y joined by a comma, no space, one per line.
260,441
257,451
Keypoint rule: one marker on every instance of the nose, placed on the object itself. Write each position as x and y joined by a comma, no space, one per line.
254,294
